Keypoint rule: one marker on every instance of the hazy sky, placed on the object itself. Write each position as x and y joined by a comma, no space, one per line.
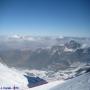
45,17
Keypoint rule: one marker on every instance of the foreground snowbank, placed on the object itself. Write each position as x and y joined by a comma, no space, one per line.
81,82
10,77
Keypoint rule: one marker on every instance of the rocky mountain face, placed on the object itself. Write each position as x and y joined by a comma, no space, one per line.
55,57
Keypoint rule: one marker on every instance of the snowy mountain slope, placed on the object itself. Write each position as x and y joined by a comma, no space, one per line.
10,77
81,82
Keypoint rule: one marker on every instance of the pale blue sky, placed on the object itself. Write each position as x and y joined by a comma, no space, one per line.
45,17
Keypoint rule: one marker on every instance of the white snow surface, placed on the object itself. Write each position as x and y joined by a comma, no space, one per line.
81,82
10,77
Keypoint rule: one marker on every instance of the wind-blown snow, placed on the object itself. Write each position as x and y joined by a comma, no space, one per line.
10,77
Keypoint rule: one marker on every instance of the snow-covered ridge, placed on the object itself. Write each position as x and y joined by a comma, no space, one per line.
50,76
10,77
81,82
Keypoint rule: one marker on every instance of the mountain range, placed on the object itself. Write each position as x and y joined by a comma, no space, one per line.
59,53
